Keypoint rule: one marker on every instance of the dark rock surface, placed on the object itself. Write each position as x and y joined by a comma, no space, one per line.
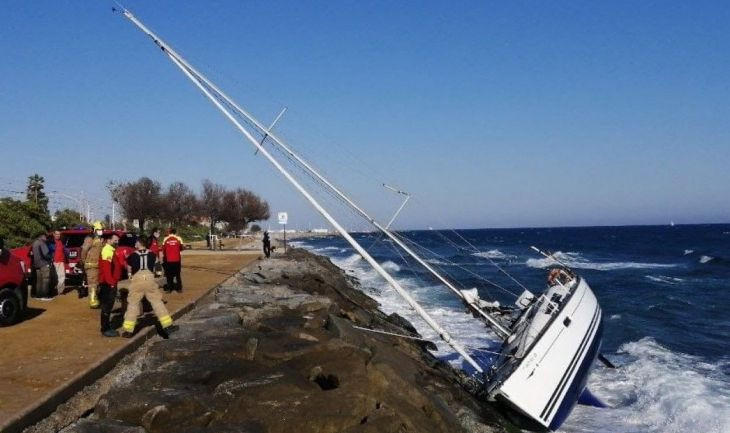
274,350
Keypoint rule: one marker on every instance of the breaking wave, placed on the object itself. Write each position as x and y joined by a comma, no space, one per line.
687,252
656,390
576,261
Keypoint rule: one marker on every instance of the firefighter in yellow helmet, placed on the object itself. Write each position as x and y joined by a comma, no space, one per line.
90,254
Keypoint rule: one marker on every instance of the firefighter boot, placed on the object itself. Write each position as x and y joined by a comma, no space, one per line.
83,292
93,298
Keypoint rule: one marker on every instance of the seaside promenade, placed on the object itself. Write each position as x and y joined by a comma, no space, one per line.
58,350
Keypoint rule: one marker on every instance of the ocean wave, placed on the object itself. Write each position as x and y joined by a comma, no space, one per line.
437,262
656,390
493,254
614,317
576,261
705,259
434,299
390,266
687,252
664,279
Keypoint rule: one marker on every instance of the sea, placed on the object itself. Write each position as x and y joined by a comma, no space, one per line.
664,291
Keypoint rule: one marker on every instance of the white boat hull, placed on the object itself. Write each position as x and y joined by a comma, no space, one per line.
543,385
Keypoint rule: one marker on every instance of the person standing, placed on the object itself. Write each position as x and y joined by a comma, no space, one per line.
143,285
172,247
59,261
90,254
42,265
109,274
267,244
154,247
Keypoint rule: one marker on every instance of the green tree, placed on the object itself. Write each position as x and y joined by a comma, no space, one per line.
20,221
66,218
34,192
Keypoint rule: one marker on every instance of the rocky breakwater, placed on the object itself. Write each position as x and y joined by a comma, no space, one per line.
274,350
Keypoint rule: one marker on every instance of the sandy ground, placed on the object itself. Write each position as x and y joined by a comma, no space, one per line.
60,338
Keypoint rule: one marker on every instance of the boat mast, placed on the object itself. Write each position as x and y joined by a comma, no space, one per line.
191,74
268,132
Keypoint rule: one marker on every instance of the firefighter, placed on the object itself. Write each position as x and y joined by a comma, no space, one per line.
90,254
172,246
143,285
109,274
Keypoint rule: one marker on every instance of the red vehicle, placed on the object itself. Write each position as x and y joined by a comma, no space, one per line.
13,288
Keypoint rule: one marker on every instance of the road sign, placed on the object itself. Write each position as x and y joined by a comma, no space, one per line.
283,218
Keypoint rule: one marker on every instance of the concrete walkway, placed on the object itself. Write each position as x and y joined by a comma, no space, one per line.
58,349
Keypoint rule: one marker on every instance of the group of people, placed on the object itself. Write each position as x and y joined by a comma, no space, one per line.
103,269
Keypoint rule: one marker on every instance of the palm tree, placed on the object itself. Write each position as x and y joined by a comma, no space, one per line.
34,192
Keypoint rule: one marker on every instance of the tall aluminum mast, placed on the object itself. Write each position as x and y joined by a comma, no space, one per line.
201,83
268,132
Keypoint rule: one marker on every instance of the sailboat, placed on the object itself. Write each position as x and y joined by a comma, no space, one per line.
548,345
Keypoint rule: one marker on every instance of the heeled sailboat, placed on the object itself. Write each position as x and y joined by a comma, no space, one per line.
549,342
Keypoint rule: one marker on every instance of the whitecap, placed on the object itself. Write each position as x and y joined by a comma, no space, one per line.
614,317
656,390
664,279
493,254
436,262
687,252
705,259
576,261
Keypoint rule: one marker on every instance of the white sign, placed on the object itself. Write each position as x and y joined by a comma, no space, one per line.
283,218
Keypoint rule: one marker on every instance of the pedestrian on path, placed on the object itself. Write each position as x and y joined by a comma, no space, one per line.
109,274
143,285
59,262
172,247
267,244
42,265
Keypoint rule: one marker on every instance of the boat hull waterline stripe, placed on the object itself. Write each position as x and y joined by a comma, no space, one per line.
572,366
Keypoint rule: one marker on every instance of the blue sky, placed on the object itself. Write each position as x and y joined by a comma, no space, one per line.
493,114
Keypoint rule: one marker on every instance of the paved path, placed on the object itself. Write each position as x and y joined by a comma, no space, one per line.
60,339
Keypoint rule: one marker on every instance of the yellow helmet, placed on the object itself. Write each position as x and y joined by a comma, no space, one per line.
98,225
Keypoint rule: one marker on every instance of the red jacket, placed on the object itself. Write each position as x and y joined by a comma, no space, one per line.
171,247
109,270
58,255
155,246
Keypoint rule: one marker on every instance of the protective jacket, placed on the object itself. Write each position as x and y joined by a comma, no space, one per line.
142,261
171,247
91,252
109,269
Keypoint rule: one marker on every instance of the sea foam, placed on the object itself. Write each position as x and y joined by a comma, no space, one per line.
577,261
656,390
493,254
